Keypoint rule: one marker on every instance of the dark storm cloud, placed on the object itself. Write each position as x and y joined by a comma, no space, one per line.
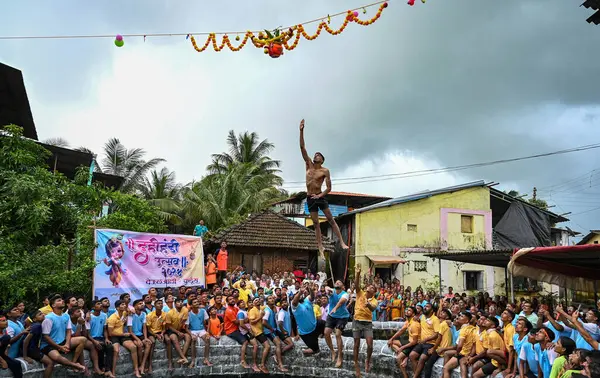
452,82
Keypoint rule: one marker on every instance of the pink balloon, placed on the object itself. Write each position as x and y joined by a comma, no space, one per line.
119,37
355,14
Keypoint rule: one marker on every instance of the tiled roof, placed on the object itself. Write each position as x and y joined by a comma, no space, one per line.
270,230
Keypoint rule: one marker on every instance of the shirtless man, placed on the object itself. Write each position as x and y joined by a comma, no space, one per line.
315,175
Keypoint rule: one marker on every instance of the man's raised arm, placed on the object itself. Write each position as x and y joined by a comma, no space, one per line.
303,147
357,277
327,184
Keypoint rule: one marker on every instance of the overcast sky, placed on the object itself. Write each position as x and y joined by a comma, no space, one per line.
434,85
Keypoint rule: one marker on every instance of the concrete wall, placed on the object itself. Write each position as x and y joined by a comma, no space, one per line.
225,359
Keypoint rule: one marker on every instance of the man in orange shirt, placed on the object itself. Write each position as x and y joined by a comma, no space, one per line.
211,271
222,255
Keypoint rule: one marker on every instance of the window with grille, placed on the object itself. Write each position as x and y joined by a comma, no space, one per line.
411,227
420,266
473,280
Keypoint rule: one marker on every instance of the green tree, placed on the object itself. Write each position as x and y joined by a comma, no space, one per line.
127,163
246,148
162,191
46,238
542,204
227,198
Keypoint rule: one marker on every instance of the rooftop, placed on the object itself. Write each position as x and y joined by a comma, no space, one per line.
14,104
497,197
267,229
417,196
594,5
341,198
587,237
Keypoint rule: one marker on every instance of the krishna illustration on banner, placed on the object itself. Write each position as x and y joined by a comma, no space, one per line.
133,262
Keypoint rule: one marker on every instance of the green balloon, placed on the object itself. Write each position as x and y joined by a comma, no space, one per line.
119,43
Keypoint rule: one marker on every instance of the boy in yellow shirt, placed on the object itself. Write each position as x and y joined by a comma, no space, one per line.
155,324
175,324
255,316
505,357
413,327
115,325
493,343
442,344
430,331
464,346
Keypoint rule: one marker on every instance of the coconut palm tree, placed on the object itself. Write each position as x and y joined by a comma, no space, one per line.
247,148
227,198
127,163
162,191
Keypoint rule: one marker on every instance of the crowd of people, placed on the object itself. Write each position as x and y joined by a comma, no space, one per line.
480,335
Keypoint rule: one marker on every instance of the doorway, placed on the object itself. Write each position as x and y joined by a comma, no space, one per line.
252,263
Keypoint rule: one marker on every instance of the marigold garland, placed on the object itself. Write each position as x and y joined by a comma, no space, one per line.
272,42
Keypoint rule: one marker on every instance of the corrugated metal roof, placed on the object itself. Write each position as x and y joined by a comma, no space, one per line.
417,196
332,193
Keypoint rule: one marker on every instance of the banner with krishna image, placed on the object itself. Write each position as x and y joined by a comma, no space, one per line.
133,262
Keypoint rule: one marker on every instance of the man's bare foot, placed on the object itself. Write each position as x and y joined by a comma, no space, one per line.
367,366
322,252
98,372
137,374
333,356
357,371
88,373
283,369
192,364
170,368
338,364
344,246
307,352
79,368
207,362
182,361
255,368
264,369
245,365
149,370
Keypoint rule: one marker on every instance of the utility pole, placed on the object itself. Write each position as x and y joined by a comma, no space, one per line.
534,193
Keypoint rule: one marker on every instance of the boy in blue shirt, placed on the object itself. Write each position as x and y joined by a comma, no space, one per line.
17,332
139,332
196,327
544,355
528,363
200,229
337,320
56,331
31,345
97,334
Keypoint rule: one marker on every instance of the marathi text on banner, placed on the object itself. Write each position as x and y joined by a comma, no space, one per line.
133,262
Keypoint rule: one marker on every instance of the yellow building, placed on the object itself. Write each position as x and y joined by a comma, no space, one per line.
393,237
592,238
